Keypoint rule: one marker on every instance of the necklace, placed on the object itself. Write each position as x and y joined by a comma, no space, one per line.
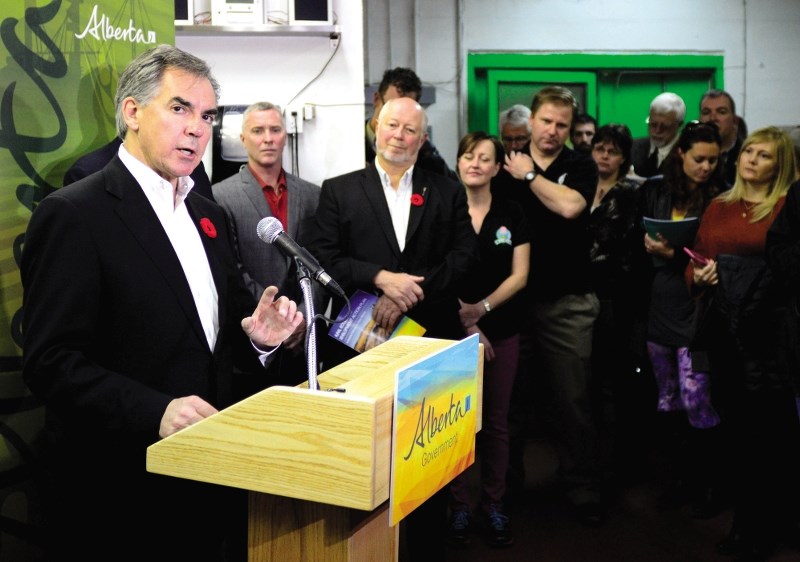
747,208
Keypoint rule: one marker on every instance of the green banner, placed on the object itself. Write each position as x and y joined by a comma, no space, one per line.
61,60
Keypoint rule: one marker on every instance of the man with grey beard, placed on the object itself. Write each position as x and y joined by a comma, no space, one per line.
667,111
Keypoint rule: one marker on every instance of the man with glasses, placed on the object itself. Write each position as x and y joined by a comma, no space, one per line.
667,111
515,127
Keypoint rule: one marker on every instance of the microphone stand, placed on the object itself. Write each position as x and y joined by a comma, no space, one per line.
304,278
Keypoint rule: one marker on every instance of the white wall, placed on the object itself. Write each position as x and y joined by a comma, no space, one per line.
253,68
758,38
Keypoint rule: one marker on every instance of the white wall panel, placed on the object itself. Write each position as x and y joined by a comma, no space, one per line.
758,38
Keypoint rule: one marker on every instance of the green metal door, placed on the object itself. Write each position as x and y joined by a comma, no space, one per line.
614,88
519,86
626,94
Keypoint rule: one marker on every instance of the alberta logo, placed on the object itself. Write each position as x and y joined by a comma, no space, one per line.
429,423
102,28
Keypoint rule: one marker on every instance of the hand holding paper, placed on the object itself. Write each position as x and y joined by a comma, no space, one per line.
386,312
664,235
358,329
676,233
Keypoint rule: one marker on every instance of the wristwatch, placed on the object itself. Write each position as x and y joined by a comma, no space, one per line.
486,306
529,176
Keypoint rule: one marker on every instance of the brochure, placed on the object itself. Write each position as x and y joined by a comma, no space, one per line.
359,330
677,233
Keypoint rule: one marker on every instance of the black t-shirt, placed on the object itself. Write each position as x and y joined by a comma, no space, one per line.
504,228
559,246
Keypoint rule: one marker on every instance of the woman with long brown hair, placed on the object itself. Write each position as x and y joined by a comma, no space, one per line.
692,178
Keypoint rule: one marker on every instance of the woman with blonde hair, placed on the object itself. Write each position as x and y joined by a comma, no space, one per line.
751,391
755,189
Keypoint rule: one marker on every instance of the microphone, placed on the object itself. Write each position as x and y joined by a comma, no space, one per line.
270,230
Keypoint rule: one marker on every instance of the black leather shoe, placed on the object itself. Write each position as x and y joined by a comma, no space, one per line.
590,514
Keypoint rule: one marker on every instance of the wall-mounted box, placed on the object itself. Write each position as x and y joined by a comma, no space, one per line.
237,12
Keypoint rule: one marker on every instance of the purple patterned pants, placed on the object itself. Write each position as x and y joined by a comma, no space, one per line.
680,387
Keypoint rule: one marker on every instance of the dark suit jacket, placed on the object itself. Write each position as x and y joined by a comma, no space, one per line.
112,335
243,199
354,239
97,159
263,264
640,153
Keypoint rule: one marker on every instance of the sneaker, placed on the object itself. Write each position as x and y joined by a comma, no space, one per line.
459,529
498,528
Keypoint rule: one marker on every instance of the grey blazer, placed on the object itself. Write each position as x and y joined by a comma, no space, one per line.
263,264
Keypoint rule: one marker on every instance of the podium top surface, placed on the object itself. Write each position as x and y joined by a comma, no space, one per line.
321,445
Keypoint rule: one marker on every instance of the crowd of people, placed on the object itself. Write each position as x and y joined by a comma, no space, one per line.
693,262
585,260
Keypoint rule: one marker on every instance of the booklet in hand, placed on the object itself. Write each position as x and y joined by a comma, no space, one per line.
677,233
360,332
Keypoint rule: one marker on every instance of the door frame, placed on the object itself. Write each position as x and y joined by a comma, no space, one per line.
482,110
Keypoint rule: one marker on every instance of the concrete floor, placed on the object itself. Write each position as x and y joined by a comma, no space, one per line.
546,530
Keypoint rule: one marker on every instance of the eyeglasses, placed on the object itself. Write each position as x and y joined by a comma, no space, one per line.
516,139
604,150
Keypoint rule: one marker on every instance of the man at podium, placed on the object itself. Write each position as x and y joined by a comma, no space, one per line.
135,314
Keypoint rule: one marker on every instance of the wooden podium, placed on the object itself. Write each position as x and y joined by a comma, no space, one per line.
316,463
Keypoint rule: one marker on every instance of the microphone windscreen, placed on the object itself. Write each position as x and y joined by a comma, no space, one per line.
268,229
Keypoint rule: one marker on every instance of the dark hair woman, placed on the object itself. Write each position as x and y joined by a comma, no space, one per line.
617,265
692,178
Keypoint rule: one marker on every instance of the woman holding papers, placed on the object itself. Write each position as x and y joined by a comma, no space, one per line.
490,308
752,391
692,178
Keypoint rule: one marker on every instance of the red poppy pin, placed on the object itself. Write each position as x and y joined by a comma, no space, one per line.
417,200
208,227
